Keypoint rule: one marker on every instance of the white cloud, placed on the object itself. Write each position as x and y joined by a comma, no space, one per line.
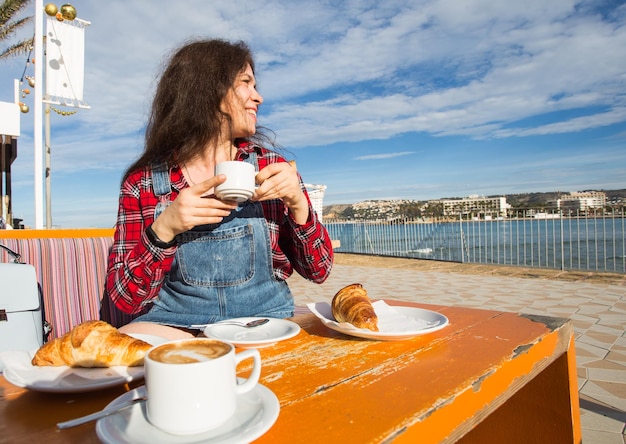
384,156
352,71
569,126
375,70
528,61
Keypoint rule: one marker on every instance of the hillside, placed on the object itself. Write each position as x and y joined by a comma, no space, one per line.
335,209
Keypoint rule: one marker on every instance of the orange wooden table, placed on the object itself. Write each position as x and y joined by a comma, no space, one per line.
489,376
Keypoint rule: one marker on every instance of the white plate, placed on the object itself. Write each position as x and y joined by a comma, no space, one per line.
256,412
257,337
20,372
395,322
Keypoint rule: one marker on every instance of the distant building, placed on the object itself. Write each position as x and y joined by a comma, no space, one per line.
316,195
475,205
582,200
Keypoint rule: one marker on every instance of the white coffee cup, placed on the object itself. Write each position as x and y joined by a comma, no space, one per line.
191,384
239,185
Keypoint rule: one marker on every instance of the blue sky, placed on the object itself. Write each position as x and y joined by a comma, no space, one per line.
376,100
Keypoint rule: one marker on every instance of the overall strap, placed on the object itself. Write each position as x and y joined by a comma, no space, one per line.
252,159
162,187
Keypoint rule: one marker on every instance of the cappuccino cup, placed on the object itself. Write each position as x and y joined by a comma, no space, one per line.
192,386
239,185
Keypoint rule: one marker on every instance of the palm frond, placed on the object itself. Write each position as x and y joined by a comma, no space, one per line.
19,48
10,24
9,8
10,28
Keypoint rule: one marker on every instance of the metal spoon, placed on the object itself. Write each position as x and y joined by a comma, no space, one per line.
250,324
98,415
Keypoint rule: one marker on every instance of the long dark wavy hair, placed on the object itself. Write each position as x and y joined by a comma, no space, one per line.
186,113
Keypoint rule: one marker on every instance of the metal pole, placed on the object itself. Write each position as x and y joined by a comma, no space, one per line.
48,170
3,209
37,129
562,241
7,178
462,240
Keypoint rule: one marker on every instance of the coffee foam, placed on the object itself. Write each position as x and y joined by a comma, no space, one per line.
189,352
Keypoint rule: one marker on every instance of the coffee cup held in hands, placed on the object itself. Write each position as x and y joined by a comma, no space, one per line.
239,185
191,384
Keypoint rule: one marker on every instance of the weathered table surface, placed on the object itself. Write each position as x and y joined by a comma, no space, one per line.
489,376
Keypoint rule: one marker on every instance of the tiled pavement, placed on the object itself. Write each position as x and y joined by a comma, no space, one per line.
595,302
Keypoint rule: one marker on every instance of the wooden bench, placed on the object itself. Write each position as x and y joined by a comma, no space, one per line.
71,268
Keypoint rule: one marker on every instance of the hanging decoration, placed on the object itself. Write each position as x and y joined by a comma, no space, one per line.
60,72
63,113
68,12
24,108
51,9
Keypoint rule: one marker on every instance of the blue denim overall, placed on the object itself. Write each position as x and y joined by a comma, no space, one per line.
220,271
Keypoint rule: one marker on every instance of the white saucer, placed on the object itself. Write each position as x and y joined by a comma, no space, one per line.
63,379
395,322
257,337
237,195
256,412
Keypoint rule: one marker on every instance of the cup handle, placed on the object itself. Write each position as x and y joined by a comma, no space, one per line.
256,369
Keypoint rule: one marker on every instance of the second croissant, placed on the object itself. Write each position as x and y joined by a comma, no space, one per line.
351,304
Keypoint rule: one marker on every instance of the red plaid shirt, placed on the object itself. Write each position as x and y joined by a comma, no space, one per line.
137,269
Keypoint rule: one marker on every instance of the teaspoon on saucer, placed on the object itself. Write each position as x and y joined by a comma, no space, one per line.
250,324
98,415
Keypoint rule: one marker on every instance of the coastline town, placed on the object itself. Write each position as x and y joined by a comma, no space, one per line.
474,207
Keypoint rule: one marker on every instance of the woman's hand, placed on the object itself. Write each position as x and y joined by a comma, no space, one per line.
280,181
194,206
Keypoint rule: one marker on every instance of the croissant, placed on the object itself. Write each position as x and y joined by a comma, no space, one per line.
92,344
352,305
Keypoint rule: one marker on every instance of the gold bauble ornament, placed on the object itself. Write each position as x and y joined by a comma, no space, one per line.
24,107
68,12
31,81
51,9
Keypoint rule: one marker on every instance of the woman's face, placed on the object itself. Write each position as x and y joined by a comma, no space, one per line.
242,103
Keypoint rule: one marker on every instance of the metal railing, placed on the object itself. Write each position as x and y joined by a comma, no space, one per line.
566,241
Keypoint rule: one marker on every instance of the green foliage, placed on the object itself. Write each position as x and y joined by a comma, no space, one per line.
10,23
411,210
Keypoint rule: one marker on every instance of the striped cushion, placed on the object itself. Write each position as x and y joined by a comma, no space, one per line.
71,272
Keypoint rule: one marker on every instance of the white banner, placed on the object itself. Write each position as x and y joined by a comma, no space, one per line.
65,57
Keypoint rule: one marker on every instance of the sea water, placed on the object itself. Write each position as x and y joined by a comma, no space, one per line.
563,243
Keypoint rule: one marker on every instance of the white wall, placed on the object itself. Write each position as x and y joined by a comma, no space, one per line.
9,119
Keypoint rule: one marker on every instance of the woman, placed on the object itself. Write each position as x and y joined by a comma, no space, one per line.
180,255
